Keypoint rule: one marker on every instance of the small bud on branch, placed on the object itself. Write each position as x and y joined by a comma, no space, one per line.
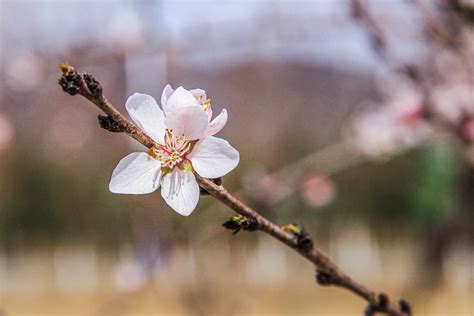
324,279
92,85
303,239
107,123
238,222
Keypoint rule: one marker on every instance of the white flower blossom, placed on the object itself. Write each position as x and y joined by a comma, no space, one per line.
183,131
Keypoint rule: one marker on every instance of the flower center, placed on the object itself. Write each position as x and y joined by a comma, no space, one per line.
204,103
173,152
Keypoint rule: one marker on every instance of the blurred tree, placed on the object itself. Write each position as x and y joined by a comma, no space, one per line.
436,195
436,206
45,201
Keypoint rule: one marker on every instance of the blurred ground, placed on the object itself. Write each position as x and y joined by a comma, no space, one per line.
240,281
155,302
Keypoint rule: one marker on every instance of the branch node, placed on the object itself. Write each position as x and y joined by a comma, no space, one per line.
94,87
383,301
405,307
369,311
382,305
324,278
109,124
303,239
239,222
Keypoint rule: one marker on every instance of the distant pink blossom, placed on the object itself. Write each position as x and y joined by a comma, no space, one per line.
318,190
397,126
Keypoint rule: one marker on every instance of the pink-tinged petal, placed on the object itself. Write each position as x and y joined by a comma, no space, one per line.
214,157
189,121
167,92
136,173
199,94
209,114
178,99
180,191
146,113
216,124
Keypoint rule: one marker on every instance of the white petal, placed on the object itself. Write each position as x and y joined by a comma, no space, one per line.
178,99
214,157
189,121
136,173
217,124
146,113
209,114
180,191
167,91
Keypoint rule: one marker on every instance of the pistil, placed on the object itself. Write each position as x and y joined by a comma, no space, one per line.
173,152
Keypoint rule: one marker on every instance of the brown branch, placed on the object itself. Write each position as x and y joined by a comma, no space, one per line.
434,29
464,10
376,33
322,262
328,273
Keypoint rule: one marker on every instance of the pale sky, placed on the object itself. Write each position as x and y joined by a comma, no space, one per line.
313,30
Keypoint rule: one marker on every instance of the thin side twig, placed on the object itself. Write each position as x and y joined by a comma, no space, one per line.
328,273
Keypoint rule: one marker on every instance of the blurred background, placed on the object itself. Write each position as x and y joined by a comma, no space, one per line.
354,119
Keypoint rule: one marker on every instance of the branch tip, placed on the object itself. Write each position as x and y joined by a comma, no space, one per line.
70,80
66,68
